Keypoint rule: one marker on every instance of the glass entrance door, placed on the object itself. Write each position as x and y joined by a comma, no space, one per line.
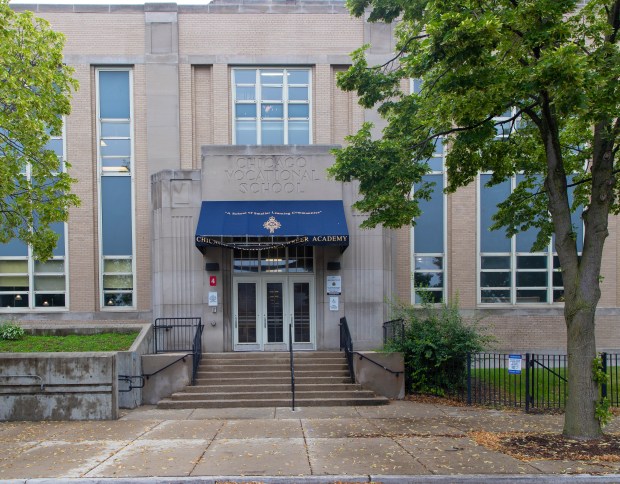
265,307
274,304
247,318
302,312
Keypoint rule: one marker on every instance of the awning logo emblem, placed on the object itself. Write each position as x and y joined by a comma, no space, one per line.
272,225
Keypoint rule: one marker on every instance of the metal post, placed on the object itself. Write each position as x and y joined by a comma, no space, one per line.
527,382
468,378
604,385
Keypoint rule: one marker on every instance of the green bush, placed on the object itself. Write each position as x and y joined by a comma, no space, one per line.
11,331
435,344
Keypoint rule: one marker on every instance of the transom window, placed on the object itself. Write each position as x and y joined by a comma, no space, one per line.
298,259
271,106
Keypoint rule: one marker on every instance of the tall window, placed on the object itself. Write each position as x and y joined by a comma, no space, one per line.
26,283
509,272
428,236
271,106
115,160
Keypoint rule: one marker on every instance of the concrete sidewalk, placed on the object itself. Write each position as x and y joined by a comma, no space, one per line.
401,442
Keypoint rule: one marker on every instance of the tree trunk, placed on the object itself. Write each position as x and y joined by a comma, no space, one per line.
580,421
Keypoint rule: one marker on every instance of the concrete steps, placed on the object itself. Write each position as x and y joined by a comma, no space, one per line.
264,380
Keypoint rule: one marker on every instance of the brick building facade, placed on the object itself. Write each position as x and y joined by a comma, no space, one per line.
183,107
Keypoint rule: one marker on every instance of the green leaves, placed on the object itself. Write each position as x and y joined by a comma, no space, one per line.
35,93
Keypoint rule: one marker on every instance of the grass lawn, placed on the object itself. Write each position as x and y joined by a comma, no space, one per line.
72,342
548,390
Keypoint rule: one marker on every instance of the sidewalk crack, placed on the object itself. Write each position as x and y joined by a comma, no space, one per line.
191,472
303,432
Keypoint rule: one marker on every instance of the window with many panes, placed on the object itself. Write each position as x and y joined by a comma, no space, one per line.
115,158
428,236
271,106
26,283
509,272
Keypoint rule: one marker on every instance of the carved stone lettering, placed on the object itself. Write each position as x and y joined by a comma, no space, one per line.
271,174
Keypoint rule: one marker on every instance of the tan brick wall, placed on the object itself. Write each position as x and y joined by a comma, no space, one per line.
82,227
402,265
187,115
462,251
202,92
142,188
322,110
272,34
100,34
221,99
342,104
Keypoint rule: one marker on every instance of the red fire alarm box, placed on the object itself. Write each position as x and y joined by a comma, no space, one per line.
213,281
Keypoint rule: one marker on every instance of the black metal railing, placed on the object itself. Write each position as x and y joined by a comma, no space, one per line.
346,344
611,389
393,330
535,382
292,359
175,335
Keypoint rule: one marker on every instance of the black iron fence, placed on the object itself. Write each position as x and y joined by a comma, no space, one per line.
611,389
393,330
530,381
177,335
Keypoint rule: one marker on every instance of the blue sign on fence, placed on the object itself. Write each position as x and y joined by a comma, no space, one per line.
514,364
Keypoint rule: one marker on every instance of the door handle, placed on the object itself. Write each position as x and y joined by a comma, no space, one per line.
265,320
235,321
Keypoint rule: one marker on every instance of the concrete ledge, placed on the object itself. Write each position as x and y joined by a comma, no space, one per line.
71,386
375,378
172,379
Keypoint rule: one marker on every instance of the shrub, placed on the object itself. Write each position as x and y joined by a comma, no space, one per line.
435,345
11,331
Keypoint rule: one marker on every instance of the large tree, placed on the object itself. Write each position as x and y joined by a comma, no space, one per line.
35,88
545,74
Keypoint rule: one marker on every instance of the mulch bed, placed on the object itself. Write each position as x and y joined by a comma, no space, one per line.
550,446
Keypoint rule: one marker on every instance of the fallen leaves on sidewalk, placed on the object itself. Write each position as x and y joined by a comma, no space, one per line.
525,446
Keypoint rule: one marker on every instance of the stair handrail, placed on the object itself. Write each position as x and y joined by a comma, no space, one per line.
292,360
346,344
363,356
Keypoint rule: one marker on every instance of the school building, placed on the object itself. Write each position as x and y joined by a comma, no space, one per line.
200,138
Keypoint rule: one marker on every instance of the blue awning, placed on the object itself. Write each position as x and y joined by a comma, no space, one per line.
271,223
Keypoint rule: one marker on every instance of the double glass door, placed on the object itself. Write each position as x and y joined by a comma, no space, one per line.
264,309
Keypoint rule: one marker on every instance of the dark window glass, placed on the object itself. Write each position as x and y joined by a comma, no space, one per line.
114,94
495,296
534,262
116,215
428,235
495,279
492,240
532,279
59,228
428,279
531,296
428,263
14,248
495,262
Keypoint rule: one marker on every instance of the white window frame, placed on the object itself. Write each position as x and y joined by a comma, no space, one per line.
550,254
29,257
258,100
101,173
444,254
